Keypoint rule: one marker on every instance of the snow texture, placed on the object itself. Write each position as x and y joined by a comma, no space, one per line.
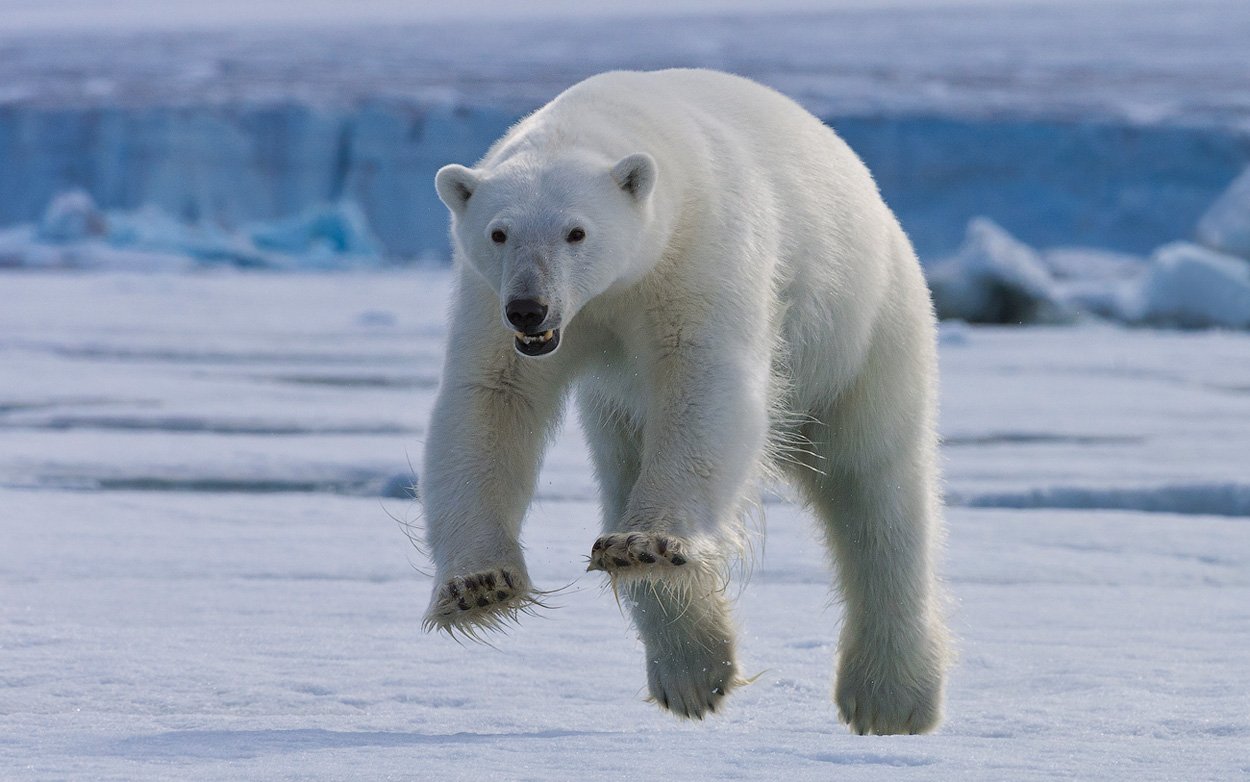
201,579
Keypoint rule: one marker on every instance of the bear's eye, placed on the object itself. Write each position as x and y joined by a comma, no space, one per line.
498,236
575,236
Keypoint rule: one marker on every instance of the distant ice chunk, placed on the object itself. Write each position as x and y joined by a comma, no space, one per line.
1226,225
75,234
71,217
1194,287
327,229
994,278
1091,264
153,230
1094,281
21,247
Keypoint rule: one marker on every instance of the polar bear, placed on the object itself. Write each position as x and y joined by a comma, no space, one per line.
714,272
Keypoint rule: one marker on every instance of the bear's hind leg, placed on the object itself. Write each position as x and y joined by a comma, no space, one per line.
687,631
892,651
875,492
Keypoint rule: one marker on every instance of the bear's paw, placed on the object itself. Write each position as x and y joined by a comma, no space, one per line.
898,690
692,680
640,554
487,600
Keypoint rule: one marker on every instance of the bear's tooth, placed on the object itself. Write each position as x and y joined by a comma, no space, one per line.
548,334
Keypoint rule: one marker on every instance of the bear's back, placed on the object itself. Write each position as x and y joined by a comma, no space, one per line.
711,105
689,115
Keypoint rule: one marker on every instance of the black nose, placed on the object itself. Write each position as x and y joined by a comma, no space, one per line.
526,314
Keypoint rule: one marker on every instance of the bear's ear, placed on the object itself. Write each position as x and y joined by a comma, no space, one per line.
455,185
635,175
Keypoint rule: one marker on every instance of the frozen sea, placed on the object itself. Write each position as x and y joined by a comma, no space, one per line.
205,575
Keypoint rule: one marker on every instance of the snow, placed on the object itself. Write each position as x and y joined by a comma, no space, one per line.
1202,499
202,577
206,473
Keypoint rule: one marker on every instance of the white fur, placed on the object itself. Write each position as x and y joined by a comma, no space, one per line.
743,302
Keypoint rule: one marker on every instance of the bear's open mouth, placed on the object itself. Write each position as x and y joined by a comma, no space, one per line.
537,344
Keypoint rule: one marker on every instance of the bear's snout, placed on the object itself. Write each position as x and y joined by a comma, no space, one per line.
528,317
526,314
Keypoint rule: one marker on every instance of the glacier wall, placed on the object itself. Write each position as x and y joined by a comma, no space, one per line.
234,165
1102,184
1050,183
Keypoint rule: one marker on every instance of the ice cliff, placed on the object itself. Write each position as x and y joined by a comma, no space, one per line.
1116,186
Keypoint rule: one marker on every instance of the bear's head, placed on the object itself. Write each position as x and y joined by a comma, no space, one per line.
550,235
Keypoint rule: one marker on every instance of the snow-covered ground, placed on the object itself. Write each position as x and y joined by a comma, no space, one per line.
201,577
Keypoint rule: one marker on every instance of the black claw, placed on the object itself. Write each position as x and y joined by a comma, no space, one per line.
677,559
464,605
470,582
599,544
489,578
507,577
482,601
645,557
453,589
662,545
620,562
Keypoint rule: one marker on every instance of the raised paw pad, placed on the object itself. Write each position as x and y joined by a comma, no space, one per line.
476,592
625,551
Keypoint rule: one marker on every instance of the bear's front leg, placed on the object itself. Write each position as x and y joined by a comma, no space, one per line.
674,496
702,445
484,447
481,462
